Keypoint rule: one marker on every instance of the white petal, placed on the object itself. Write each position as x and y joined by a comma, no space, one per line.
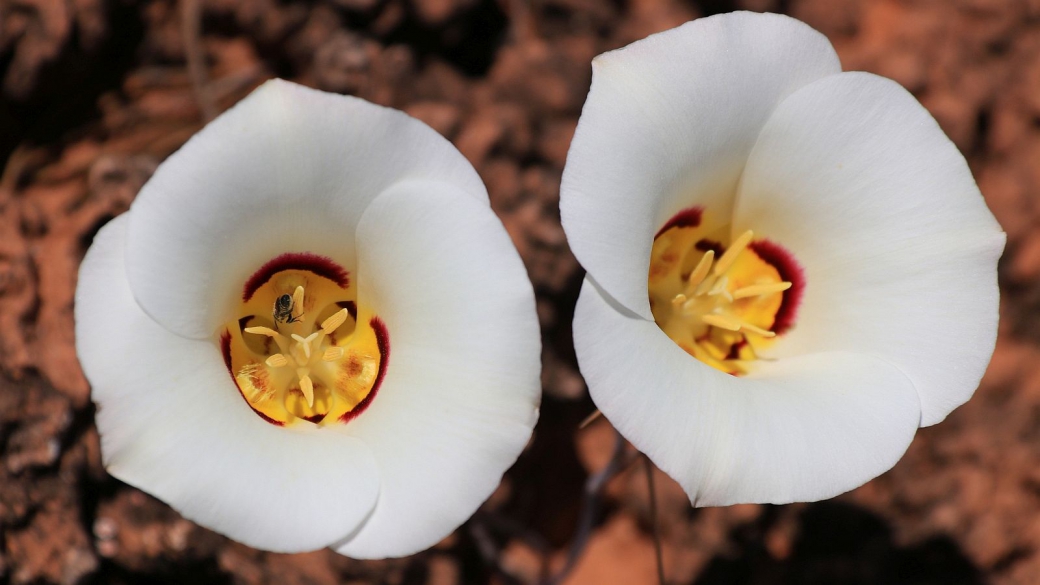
858,182
288,169
462,387
801,429
173,424
668,125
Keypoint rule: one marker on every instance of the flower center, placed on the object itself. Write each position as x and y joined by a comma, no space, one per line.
298,352
721,303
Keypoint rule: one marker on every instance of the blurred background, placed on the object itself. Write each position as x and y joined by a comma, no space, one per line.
95,93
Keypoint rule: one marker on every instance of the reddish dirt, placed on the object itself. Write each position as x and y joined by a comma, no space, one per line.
95,93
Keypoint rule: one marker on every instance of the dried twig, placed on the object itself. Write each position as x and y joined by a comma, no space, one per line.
594,487
649,467
191,32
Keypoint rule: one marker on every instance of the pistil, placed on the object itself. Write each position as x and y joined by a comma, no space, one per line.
306,350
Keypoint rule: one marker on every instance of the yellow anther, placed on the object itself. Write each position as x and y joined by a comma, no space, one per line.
756,330
702,269
333,354
297,299
722,321
306,386
756,290
332,323
678,299
263,331
734,250
277,361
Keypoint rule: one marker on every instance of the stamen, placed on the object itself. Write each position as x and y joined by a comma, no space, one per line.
756,330
678,299
734,250
332,323
704,286
722,321
277,361
306,385
701,271
297,298
333,354
756,290
264,331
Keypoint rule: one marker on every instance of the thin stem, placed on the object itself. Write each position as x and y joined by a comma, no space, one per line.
649,467
191,33
594,486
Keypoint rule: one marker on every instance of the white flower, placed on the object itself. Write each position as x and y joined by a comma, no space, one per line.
311,330
812,232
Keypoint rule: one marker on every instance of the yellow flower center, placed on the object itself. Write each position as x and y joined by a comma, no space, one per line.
297,352
718,302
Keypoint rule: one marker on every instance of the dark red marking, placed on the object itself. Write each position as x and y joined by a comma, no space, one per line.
690,217
383,342
705,245
314,419
225,350
734,350
314,263
350,306
789,269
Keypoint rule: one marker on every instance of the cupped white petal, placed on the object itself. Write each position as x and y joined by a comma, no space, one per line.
462,388
173,424
668,125
854,177
799,429
288,169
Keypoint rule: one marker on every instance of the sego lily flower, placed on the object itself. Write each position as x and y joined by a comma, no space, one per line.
790,268
310,329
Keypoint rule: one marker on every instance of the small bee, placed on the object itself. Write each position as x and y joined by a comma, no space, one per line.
283,310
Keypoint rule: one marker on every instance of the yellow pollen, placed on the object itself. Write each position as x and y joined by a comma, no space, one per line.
678,299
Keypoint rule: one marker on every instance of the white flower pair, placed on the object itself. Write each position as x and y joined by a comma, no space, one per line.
310,329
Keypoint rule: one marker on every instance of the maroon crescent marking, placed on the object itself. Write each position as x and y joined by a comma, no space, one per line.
314,263
689,217
789,269
383,342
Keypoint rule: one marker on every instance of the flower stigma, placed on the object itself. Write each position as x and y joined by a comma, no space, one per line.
721,303
297,353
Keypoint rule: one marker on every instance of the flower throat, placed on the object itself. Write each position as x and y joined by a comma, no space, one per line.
298,352
721,303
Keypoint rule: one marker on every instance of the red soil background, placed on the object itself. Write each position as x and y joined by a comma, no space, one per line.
95,93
